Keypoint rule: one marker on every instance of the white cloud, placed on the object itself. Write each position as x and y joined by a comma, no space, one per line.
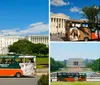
35,24
81,12
51,13
59,2
31,29
75,9
84,20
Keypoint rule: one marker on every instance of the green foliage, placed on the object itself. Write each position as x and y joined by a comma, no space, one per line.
26,47
89,65
44,80
55,65
95,66
90,12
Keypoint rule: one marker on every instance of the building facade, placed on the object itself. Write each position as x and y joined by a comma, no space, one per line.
76,62
38,39
57,24
5,41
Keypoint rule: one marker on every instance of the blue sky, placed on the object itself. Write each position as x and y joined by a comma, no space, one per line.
23,17
72,8
64,51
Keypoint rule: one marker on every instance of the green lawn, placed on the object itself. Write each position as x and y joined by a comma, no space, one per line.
41,61
75,83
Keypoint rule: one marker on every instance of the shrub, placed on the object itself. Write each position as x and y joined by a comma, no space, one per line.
44,80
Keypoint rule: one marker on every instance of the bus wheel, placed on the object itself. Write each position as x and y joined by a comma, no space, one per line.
18,75
86,39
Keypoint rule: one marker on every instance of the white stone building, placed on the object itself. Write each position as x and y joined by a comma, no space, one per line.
75,62
57,23
38,39
5,41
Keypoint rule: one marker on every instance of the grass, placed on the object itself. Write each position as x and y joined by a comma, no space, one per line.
75,83
42,62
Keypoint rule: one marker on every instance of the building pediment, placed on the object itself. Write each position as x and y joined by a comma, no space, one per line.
59,15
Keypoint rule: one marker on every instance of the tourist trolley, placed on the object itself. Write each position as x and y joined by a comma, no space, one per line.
68,76
77,30
18,66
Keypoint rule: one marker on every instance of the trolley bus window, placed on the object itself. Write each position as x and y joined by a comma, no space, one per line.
0,61
53,75
8,61
64,73
19,60
29,60
3,60
59,74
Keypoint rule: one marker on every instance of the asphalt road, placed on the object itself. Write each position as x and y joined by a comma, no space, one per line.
18,81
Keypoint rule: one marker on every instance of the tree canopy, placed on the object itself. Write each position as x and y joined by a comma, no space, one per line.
55,65
91,12
95,66
26,47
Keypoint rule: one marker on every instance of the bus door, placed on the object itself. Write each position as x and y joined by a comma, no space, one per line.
27,66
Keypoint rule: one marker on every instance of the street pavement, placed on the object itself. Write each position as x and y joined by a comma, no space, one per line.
56,37
19,81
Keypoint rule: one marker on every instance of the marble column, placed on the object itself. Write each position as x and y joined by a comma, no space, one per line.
63,26
56,25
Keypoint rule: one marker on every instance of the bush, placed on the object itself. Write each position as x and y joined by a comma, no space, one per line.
44,80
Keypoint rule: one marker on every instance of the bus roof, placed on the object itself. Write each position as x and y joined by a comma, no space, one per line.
17,56
64,72
27,56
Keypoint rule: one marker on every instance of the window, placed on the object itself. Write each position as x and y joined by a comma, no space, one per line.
0,61
53,75
8,61
19,60
64,73
29,60
76,63
59,74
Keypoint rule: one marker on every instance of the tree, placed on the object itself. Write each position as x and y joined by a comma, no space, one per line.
40,48
21,47
89,65
55,65
96,65
26,47
91,12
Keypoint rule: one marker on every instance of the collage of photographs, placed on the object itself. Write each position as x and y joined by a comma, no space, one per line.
49,42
